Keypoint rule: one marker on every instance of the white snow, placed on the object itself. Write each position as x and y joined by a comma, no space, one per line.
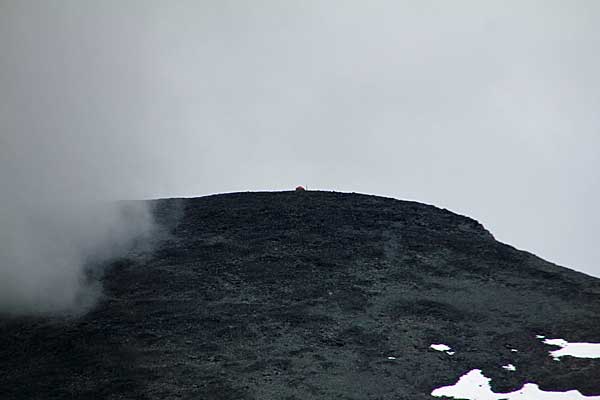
391,358
514,350
509,367
475,386
579,350
440,347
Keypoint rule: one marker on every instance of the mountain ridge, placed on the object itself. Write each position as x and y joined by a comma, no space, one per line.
306,295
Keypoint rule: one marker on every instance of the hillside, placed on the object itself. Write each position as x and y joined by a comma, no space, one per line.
307,295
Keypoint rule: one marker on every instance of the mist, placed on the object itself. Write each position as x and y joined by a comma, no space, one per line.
68,162
53,252
61,215
486,108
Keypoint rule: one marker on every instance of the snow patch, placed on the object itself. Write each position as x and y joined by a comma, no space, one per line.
442,347
475,386
579,350
509,367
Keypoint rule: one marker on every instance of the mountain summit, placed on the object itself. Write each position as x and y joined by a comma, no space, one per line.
309,295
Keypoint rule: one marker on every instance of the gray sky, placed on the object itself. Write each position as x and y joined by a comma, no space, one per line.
488,108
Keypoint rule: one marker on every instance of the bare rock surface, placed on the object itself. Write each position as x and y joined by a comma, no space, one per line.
309,295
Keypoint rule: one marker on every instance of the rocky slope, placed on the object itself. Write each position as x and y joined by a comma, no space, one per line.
306,295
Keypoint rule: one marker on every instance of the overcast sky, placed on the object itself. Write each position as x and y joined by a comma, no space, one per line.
487,108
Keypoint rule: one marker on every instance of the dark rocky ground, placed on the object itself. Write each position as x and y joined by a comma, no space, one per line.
304,296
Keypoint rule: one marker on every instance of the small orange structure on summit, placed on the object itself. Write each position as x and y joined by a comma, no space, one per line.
300,189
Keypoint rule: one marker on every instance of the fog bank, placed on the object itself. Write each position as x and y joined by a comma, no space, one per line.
68,154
